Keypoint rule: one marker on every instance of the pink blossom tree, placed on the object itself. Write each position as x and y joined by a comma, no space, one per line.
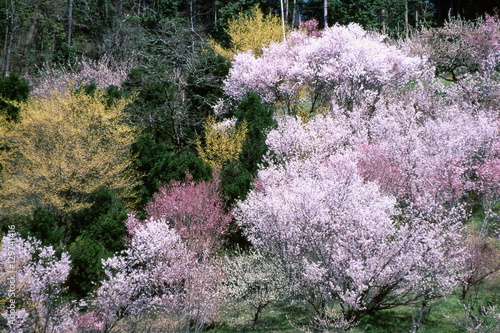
346,65
485,43
157,283
341,239
484,256
195,211
168,271
425,149
318,137
32,280
104,72
311,28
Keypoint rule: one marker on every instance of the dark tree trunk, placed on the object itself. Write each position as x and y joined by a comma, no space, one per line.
70,22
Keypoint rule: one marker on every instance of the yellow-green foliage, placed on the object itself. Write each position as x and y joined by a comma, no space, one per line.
223,142
251,31
67,145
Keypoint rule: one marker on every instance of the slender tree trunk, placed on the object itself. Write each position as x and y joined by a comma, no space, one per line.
192,14
416,322
9,35
384,21
215,11
282,19
294,12
325,13
5,46
416,19
286,10
407,28
70,22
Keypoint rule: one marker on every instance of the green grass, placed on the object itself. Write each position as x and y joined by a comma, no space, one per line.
285,318
444,315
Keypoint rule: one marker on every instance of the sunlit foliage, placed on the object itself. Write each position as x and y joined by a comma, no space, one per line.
251,32
223,142
66,146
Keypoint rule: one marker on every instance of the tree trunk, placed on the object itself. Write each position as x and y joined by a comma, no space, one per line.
192,14
416,19
384,21
9,35
282,19
407,32
286,10
325,13
70,22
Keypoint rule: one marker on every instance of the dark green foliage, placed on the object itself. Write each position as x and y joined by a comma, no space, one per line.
111,93
344,12
156,13
12,88
205,80
97,232
466,9
86,256
381,15
227,9
170,8
43,226
158,163
179,82
236,181
65,55
159,108
260,119
89,89
237,177
10,220
151,93
102,221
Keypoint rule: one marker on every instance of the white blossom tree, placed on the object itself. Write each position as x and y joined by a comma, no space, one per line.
157,283
32,279
341,240
345,64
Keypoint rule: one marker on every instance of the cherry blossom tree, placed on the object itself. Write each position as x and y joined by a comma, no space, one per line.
104,72
340,239
426,152
459,47
157,283
254,280
32,279
195,211
345,64
484,41
326,208
318,137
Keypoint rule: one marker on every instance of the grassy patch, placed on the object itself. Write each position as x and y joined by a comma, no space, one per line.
283,317
445,316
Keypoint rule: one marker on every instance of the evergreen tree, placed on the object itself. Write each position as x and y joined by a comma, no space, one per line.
12,88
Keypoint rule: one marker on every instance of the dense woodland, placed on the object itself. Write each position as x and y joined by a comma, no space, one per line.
249,166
